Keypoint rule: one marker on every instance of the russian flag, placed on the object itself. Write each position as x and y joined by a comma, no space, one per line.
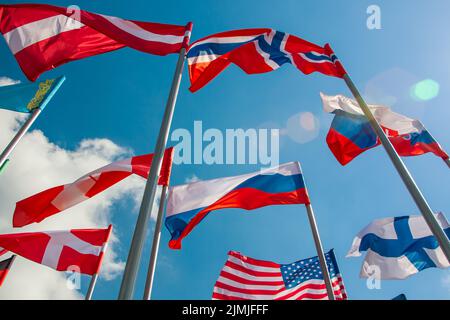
350,133
188,204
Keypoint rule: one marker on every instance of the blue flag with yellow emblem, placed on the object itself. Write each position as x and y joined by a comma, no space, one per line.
27,97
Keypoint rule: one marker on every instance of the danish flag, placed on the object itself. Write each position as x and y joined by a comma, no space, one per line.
42,37
80,250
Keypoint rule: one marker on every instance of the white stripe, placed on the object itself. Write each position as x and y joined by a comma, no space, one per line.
226,40
138,32
235,284
250,277
201,194
314,61
74,193
33,32
61,239
248,265
280,295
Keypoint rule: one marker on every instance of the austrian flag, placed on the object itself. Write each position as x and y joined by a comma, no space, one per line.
61,250
54,200
42,37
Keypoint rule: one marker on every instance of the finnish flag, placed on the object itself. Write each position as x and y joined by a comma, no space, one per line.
399,247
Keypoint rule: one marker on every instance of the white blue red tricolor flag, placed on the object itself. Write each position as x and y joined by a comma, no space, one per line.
257,51
245,278
399,247
42,36
188,204
351,134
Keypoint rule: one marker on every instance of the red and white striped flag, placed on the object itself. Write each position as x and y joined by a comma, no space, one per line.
245,278
54,200
43,37
80,250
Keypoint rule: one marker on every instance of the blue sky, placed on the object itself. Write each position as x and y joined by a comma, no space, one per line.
121,96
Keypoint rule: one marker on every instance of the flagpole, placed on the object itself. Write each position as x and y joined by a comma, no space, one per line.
320,253
94,277
140,230
31,119
155,245
447,161
409,182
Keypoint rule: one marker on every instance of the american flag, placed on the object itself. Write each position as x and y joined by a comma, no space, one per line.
245,278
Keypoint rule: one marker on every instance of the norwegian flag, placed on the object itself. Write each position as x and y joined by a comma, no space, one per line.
54,200
43,37
257,51
61,250
245,278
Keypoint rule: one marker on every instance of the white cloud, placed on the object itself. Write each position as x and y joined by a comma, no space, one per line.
37,164
5,81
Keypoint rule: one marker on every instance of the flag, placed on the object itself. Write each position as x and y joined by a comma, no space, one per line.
351,133
54,200
43,37
257,51
188,204
245,278
5,266
399,247
27,97
401,296
78,249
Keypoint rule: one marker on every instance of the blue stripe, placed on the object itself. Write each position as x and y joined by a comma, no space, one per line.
421,137
274,183
355,128
178,222
319,57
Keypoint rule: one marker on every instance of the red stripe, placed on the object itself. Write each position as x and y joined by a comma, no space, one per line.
245,198
238,279
248,291
250,271
220,296
260,263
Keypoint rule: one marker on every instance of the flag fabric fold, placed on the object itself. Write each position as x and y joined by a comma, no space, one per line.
78,249
5,266
245,278
43,37
257,51
54,200
350,133
188,204
26,97
399,247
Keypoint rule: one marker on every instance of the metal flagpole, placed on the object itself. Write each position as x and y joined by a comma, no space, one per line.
137,243
320,254
36,112
155,245
413,189
94,277
447,161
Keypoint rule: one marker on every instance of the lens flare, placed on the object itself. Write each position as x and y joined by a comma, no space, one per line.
425,90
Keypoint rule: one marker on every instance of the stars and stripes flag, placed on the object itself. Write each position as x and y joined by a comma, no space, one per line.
61,250
54,200
245,278
190,203
5,266
257,51
42,36
351,134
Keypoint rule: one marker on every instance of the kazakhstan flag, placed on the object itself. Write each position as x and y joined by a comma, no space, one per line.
29,96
